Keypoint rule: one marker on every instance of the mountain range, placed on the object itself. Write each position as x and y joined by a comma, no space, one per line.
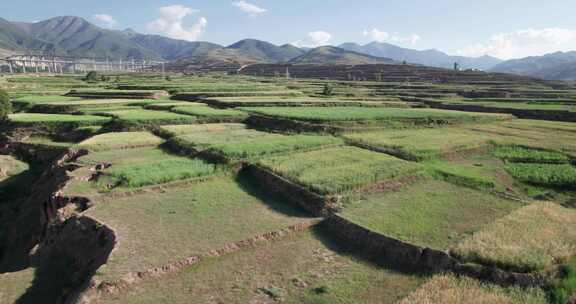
427,57
74,36
554,66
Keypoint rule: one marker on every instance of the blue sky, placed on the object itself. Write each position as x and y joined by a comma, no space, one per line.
503,28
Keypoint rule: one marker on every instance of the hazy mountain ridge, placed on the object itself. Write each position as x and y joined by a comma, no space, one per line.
555,66
427,57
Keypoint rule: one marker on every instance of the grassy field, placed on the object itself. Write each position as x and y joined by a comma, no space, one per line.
167,105
520,154
36,99
292,101
420,144
305,268
208,112
550,175
159,171
10,166
521,105
478,175
331,114
252,144
338,170
133,168
120,140
531,133
531,239
448,289
32,119
142,116
159,228
15,284
430,213
177,130
165,207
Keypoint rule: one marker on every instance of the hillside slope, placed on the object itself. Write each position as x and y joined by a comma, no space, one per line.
334,55
265,51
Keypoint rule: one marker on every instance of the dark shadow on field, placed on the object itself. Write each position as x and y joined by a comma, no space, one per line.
13,194
251,186
328,239
65,266
50,284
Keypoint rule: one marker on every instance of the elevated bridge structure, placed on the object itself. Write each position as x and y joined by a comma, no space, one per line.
51,64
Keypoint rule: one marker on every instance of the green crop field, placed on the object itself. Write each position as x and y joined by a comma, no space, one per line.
292,101
338,170
519,154
142,116
32,119
544,174
159,171
522,106
330,114
209,112
420,144
251,144
139,167
430,213
35,99
531,133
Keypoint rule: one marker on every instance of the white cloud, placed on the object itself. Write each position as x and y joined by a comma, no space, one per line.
523,43
314,39
382,36
105,19
171,24
249,8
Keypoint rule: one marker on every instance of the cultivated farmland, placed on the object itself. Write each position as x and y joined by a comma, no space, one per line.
244,189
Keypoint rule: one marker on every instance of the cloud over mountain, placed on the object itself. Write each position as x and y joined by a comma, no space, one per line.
171,23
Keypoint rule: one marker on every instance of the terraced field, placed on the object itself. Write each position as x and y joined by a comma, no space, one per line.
242,189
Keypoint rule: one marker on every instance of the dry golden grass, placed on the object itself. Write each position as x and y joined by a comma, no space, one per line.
529,239
121,140
188,129
448,289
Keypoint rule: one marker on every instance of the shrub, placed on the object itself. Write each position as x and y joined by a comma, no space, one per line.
92,76
565,288
328,90
273,292
5,105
